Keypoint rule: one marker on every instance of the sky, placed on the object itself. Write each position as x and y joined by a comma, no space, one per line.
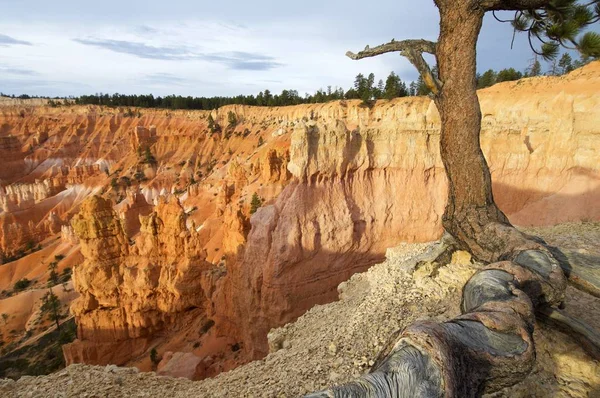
214,48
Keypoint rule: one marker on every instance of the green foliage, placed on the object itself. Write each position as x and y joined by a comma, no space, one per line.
363,87
207,326
589,44
213,126
53,279
508,75
21,284
149,157
29,248
255,203
565,64
560,23
40,357
394,87
154,356
51,307
487,79
535,69
5,318
59,257
231,119
139,176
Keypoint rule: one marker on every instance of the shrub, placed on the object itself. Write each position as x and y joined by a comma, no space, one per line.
255,203
207,326
231,119
154,356
21,285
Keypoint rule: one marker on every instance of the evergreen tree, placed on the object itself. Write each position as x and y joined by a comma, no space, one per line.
53,278
231,118
421,87
268,98
535,69
255,203
412,90
506,75
487,79
565,64
51,306
379,90
394,87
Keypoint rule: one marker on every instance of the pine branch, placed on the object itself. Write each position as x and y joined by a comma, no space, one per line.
512,5
411,49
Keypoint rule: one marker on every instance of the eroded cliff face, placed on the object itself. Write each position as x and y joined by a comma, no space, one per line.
130,291
366,179
175,260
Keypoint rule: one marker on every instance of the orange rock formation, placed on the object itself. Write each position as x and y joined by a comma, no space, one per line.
173,257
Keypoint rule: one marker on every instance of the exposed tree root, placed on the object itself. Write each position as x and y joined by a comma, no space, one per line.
490,346
584,334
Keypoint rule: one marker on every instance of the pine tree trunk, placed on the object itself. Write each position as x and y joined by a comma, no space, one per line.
471,215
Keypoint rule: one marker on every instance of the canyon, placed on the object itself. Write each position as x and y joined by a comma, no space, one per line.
152,210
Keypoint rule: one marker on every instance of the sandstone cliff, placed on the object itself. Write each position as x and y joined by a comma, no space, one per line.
340,183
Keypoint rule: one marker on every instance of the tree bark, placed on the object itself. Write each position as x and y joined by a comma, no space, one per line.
470,208
489,346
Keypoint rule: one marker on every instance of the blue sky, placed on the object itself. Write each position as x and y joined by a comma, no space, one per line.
206,48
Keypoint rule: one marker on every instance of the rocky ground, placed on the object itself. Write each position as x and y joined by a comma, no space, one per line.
336,342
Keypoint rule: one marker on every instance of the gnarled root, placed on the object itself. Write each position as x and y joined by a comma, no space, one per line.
489,347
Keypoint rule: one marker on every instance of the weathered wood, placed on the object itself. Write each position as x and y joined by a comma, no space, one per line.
585,335
582,270
411,49
487,348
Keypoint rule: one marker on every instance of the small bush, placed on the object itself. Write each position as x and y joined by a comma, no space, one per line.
154,356
256,203
21,285
231,119
207,326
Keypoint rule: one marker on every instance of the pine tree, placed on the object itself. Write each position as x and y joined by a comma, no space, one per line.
421,87
51,306
255,203
379,90
535,69
507,75
487,79
231,119
412,90
392,88
565,64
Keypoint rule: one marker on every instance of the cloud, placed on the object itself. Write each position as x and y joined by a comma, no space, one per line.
8,41
141,50
146,30
239,60
17,71
34,86
163,79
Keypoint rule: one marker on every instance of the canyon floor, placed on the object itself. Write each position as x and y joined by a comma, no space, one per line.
336,342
